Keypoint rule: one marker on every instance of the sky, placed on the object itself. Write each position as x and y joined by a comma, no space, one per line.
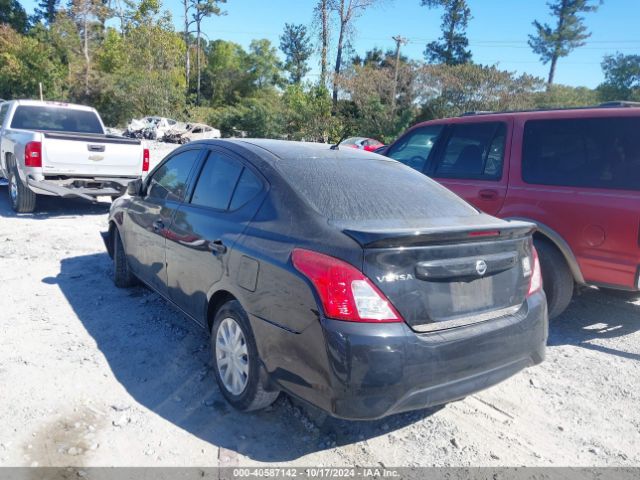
497,32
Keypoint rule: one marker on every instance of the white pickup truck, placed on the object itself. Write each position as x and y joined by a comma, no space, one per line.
52,148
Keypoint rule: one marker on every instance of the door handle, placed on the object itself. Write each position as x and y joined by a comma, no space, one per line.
158,226
488,194
218,248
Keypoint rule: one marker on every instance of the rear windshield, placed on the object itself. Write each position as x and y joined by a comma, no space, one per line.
56,119
366,189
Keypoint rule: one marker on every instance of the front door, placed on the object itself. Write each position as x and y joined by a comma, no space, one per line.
150,215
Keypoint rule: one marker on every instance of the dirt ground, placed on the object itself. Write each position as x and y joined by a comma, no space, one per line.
91,375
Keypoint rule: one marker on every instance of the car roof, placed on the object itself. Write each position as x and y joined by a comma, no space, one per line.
292,151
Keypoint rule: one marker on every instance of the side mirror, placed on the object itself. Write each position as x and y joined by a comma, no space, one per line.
134,189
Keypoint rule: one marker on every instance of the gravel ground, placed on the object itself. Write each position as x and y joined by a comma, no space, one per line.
91,375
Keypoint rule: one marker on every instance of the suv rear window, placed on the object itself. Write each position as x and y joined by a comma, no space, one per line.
56,119
337,189
592,152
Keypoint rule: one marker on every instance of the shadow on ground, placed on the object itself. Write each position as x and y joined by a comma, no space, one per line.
54,207
163,361
594,315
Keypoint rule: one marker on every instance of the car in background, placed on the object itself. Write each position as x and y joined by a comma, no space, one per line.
60,149
575,173
362,143
339,276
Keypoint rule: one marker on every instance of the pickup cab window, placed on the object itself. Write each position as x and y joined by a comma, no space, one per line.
4,108
56,119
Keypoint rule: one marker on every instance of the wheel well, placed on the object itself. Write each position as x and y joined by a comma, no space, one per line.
542,237
217,300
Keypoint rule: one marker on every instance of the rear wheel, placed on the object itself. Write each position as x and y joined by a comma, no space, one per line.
122,275
557,279
236,361
22,199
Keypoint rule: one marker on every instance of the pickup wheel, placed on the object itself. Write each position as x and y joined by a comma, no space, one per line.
23,200
557,279
122,275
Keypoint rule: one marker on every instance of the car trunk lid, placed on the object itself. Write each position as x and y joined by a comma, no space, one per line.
449,275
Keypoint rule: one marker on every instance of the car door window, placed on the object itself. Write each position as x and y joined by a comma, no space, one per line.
414,149
474,151
169,181
217,182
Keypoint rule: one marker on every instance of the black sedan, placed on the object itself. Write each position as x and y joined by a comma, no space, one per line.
338,276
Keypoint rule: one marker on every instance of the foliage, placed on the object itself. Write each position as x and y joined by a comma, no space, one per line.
570,32
453,47
296,45
46,11
622,77
14,15
451,90
563,96
24,62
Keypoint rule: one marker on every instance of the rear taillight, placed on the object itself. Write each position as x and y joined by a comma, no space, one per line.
145,160
345,292
535,282
33,154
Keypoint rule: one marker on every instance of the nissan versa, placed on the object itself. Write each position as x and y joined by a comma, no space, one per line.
341,277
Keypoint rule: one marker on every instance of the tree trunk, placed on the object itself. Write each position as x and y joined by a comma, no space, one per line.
85,48
552,71
343,25
325,44
187,57
198,62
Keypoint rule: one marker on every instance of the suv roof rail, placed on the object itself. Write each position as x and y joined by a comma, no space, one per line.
477,112
619,103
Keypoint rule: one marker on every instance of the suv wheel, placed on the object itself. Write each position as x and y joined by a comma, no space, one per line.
236,361
557,279
22,199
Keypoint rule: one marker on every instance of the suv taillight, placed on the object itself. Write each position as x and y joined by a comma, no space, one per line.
145,159
33,154
345,292
535,282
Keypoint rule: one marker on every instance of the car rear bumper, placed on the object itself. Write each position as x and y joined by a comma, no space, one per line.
379,370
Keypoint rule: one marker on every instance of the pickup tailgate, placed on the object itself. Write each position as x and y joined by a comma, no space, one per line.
90,155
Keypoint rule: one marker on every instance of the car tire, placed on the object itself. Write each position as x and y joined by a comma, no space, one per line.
22,199
235,355
122,275
557,279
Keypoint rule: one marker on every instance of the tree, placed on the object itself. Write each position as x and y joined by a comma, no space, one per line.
14,15
321,12
296,45
24,63
347,11
622,77
46,11
452,47
264,65
199,9
570,32
451,90
226,78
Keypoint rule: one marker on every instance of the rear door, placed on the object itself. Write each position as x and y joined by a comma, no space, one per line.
470,162
148,217
226,196
581,178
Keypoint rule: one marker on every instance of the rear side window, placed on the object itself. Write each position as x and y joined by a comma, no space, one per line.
56,119
474,151
415,148
248,187
336,187
169,182
4,108
593,152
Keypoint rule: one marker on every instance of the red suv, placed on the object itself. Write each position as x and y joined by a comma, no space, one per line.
575,173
